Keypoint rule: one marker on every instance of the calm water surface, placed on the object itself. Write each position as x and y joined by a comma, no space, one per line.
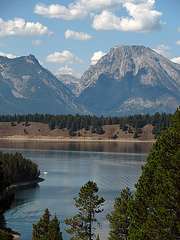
69,165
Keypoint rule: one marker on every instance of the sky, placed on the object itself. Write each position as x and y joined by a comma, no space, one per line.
67,36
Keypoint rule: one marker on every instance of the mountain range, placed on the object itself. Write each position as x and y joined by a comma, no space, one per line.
27,87
127,80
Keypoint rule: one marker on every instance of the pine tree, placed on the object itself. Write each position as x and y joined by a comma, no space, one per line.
5,198
156,209
54,230
120,218
46,229
41,228
89,204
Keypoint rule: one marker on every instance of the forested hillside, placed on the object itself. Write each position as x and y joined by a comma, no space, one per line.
17,168
77,122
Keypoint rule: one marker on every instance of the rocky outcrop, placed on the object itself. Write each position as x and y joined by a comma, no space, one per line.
129,80
27,87
68,80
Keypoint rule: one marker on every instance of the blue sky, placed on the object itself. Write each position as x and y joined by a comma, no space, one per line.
67,36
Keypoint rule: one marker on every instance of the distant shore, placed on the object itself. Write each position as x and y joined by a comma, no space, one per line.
71,139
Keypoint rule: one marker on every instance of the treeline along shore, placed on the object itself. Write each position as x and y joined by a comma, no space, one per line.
87,125
19,170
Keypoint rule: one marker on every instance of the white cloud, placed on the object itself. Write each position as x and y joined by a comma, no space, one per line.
65,70
8,55
142,18
163,50
178,42
18,27
37,42
142,14
65,57
96,57
77,35
79,10
176,60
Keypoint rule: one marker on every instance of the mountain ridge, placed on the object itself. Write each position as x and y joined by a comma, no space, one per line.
127,80
26,84
130,79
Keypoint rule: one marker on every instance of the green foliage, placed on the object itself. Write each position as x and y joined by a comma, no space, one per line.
18,169
88,204
156,210
120,218
136,135
41,228
99,130
52,124
5,235
5,198
46,229
98,238
78,122
114,136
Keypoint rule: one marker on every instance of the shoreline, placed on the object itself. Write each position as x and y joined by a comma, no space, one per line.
84,139
27,183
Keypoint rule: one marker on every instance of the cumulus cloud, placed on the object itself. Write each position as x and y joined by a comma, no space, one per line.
65,57
8,55
78,10
178,42
18,27
176,60
163,50
142,18
65,70
37,42
77,35
142,14
96,57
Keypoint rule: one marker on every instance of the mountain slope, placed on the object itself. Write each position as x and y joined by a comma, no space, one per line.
68,80
27,87
129,80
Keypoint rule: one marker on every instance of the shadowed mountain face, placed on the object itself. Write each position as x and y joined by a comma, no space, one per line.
129,80
27,87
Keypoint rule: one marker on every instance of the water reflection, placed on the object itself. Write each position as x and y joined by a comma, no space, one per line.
69,165
96,146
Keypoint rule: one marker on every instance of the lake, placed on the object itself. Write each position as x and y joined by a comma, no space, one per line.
69,165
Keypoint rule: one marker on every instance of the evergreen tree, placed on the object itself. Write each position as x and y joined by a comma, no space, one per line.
41,228
5,198
120,218
5,202
98,238
156,209
46,229
5,235
54,230
89,204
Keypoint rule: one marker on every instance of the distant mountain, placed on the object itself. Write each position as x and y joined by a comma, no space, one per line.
27,87
127,80
130,80
70,81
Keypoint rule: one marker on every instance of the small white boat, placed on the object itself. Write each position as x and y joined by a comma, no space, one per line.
45,172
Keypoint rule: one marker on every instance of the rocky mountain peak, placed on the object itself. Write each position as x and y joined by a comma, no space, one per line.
27,87
135,60
131,78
